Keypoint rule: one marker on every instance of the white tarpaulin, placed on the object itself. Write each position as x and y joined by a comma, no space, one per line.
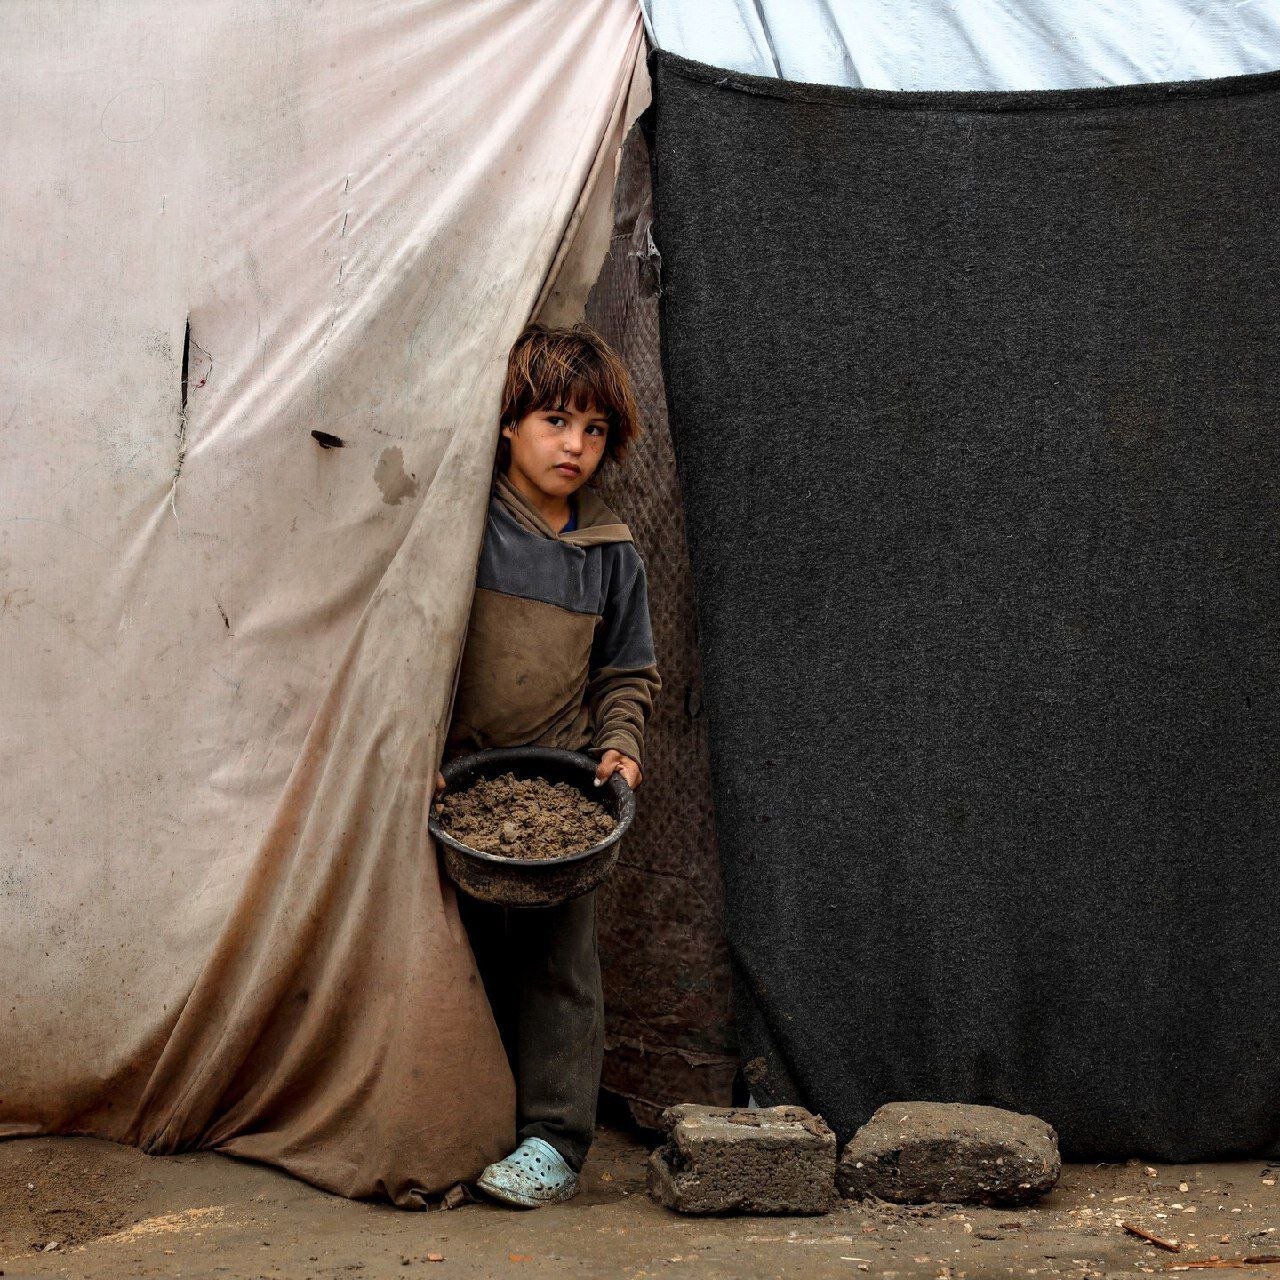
226,651
973,44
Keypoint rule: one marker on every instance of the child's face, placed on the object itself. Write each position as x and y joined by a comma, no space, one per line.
558,450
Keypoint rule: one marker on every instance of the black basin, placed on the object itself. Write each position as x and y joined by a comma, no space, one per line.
533,882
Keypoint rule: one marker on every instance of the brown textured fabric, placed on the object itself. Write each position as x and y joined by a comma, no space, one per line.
621,702
668,997
526,676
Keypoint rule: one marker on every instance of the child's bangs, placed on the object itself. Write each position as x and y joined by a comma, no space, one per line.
578,390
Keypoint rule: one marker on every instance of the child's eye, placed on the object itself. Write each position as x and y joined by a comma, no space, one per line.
555,419
595,430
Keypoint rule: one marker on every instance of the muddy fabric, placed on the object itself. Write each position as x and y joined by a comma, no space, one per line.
541,969
558,651
261,272
974,399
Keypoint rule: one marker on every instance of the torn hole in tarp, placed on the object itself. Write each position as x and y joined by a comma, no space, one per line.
650,259
196,366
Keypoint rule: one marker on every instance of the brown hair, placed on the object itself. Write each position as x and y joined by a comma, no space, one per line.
554,368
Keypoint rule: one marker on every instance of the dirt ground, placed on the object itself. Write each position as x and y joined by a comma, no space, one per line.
81,1207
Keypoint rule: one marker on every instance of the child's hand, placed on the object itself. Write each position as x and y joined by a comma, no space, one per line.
614,761
439,783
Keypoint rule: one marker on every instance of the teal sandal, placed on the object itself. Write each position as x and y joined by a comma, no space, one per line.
534,1174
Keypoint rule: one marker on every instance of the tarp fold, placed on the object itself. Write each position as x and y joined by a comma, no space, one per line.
263,270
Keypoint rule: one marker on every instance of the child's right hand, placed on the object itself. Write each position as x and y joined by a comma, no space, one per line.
613,761
439,783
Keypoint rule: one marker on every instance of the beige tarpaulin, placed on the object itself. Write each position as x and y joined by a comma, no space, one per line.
226,651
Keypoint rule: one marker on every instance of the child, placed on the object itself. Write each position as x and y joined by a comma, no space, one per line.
558,653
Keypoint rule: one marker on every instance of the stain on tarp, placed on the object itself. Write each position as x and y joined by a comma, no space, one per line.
391,477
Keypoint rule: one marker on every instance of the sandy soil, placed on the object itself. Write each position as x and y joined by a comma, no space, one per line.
80,1207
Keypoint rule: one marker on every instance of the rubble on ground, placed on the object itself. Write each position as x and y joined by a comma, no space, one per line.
922,1152
744,1160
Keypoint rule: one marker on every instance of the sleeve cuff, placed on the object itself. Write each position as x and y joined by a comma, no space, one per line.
618,741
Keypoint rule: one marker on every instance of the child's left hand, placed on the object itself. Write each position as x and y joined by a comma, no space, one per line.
613,761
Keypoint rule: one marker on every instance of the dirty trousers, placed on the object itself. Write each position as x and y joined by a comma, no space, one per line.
541,970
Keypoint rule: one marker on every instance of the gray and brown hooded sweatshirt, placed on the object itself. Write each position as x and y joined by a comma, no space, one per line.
559,651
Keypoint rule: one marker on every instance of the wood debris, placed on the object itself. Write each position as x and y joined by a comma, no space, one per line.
1171,1245
1253,1260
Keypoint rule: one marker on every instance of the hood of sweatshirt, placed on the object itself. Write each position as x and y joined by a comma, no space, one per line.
597,524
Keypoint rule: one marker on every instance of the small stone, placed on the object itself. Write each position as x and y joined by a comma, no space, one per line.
941,1152
744,1160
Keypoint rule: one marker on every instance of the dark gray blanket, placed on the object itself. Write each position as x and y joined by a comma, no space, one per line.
977,410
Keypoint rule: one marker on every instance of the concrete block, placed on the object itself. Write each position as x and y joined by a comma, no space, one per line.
924,1152
740,1160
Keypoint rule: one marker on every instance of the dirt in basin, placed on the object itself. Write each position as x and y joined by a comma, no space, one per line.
524,817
